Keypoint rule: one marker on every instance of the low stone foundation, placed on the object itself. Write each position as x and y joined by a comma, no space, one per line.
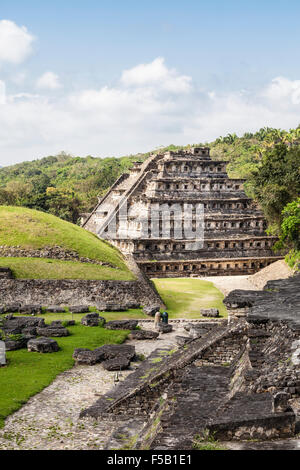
205,267
5,273
75,292
49,252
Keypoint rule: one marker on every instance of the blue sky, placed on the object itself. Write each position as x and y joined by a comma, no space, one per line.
196,69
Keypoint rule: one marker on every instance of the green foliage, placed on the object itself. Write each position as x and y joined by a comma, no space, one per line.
206,441
64,185
293,259
290,226
277,180
61,185
290,233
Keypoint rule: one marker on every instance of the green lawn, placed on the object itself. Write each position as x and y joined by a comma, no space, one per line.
133,314
33,229
28,373
43,268
185,297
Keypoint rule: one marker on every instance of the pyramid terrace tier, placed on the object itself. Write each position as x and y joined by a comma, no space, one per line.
192,167
195,187
166,225
210,201
161,249
205,267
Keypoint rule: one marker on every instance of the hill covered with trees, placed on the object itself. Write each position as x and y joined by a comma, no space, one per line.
65,186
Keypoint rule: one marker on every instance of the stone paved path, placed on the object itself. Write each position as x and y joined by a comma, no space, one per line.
280,444
49,420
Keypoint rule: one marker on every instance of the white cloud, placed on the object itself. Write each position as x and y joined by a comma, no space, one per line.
2,92
15,42
48,81
139,113
282,88
156,74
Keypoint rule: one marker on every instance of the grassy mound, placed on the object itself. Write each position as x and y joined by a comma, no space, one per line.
31,229
36,268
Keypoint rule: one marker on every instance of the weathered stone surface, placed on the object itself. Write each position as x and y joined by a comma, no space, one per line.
210,312
281,402
11,307
121,325
109,351
163,328
43,345
74,292
79,308
23,322
30,331
55,309
117,363
6,273
2,354
50,252
133,305
12,331
15,344
83,356
93,319
50,331
143,334
104,353
279,301
182,340
112,307
30,309
151,310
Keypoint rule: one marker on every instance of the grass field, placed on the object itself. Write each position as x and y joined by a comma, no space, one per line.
133,314
28,373
43,268
32,229
185,297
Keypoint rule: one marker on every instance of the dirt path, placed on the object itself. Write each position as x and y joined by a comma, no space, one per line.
50,419
228,283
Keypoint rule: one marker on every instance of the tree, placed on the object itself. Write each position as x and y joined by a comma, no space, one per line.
290,226
290,233
277,181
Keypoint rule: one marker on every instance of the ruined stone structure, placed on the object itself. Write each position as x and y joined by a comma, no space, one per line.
70,292
235,381
160,199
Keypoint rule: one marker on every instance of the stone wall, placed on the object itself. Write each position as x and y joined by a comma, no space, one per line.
5,273
48,252
222,353
48,292
204,267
